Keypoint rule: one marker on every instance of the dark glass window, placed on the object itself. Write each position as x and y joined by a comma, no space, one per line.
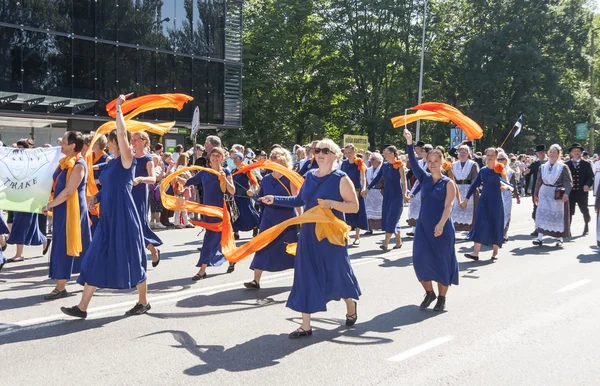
47,64
215,92
84,69
106,72
147,78
182,37
183,85
84,17
127,28
10,12
10,66
148,25
127,70
53,15
107,15
166,23
210,28
164,81
200,87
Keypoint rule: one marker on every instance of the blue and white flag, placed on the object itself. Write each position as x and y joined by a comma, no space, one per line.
519,125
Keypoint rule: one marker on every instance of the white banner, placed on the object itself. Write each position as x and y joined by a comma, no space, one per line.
26,177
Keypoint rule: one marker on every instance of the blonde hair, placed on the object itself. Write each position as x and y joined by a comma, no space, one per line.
332,146
101,142
182,160
284,155
351,147
145,138
466,148
300,153
557,148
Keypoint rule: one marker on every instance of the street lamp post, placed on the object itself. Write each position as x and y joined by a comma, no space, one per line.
592,130
422,59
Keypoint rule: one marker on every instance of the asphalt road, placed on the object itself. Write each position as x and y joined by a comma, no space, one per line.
529,319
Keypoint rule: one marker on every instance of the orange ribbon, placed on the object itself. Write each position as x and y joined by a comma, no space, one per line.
74,244
360,164
398,164
447,166
499,168
469,126
402,120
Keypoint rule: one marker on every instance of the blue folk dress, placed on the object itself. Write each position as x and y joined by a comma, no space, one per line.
249,218
274,258
140,198
488,228
434,258
61,264
393,197
116,257
356,220
101,163
26,229
322,271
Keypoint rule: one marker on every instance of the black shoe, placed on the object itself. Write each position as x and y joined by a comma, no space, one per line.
534,233
236,236
199,277
494,258
411,234
74,311
139,309
300,333
252,285
506,239
351,319
56,295
559,244
155,263
441,304
472,257
369,232
254,232
539,243
231,268
47,247
429,298
586,230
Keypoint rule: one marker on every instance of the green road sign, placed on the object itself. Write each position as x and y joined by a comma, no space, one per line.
582,130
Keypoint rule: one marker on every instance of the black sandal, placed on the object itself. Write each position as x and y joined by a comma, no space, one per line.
398,246
494,258
351,319
55,294
472,257
231,268
384,247
47,247
16,259
199,277
252,285
155,263
300,333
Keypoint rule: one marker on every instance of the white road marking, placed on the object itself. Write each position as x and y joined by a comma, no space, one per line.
422,348
573,286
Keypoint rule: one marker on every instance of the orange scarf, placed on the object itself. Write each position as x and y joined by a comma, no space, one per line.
97,157
74,246
447,166
398,164
499,168
249,173
360,164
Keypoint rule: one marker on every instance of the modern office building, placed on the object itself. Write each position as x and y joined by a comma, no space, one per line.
61,61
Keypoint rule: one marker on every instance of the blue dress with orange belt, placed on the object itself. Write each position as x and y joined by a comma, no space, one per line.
140,197
273,257
210,254
356,220
61,264
322,271
116,256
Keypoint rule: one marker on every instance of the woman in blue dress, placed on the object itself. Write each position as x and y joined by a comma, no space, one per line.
144,175
394,195
3,232
274,257
116,256
322,271
210,254
26,226
99,161
62,265
434,257
358,220
488,228
244,191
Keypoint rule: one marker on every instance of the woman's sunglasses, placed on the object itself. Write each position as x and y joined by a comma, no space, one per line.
324,151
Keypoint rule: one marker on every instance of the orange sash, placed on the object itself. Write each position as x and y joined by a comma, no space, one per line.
74,245
398,164
360,164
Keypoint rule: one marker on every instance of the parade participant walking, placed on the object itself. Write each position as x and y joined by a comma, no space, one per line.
311,163
180,218
245,187
26,228
465,172
394,195
274,257
414,207
99,161
210,254
597,206
355,168
115,257
144,176
70,223
374,198
540,152
583,182
488,228
552,189
434,258
507,194
322,270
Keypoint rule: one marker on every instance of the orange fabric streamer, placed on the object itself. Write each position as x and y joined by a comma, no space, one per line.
469,126
360,164
398,164
295,178
328,226
402,120
152,101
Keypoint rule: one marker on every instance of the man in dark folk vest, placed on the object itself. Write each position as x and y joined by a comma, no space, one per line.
583,181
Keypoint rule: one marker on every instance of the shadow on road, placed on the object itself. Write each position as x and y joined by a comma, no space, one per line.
268,350
593,257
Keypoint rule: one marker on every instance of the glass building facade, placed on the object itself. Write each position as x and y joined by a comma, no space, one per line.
68,58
